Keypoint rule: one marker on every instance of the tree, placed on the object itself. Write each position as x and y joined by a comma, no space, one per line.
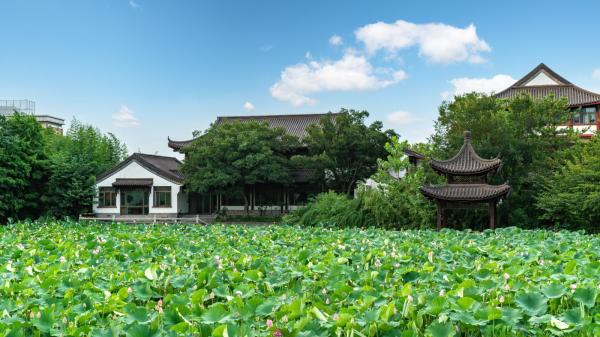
523,131
229,157
571,194
343,150
76,158
24,167
396,202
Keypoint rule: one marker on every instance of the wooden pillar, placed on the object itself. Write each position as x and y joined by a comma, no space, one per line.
492,213
441,215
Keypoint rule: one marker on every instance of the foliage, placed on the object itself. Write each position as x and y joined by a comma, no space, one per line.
24,167
44,173
523,131
571,194
343,149
228,157
396,202
181,280
331,209
76,159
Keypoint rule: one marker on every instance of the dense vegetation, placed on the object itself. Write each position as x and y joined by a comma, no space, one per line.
142,281
553,174
47,174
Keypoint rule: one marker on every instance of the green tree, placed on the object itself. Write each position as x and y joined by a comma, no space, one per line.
24,167
523,131
571,194
76,159
342,149
396,202
230,157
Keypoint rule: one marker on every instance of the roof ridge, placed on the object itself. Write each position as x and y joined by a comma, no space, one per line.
282,115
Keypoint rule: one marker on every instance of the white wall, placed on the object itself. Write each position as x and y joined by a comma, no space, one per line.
136,171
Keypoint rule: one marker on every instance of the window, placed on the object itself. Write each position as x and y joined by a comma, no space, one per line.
107,197
585,115
134,201
162,196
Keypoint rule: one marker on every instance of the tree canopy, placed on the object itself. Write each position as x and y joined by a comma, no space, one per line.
522,131
44,173
342,149
571,194
231,156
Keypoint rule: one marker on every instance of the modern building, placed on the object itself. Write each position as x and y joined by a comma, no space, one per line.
543,81
25,106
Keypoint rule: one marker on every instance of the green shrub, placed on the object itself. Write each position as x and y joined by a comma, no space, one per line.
331,209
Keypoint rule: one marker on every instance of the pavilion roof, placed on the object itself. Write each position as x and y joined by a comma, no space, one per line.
466,162
466,192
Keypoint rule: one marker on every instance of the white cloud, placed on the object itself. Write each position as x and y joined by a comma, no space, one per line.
249,106
596,74
465,85
350,73
437,42
336,40
265,48
400,117
125,118
134,4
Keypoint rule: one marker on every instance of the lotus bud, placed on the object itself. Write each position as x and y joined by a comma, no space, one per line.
269,323
442,292
327,301
336,316
277,334
129,290
573,286
324,291
506,276
501,299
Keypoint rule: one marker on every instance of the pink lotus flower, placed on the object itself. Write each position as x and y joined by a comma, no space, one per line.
277,333
269,323
336,316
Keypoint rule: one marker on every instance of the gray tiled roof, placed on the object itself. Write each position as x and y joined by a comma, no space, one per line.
294,125
575,95
466,162
466,192
166,167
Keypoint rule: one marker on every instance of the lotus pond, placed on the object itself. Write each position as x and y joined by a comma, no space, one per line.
69,279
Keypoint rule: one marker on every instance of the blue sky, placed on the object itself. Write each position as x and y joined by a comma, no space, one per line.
148,69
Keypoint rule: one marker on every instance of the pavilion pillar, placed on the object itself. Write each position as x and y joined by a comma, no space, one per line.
441,215
492,214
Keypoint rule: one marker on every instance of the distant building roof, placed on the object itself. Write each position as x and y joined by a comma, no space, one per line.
132,182
294,125
466,161
543,81
165,167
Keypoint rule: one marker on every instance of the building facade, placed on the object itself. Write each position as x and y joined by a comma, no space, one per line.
9,106
142,185
543,81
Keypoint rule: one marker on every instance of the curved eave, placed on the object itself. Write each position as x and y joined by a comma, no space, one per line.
440,192
441,167
178,145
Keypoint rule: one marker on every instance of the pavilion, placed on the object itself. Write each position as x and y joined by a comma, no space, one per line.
467,176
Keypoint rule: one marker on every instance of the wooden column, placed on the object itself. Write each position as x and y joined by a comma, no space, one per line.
441,215
492,213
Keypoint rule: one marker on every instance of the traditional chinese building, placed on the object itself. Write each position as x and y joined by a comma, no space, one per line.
264,198
467,185
543,81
